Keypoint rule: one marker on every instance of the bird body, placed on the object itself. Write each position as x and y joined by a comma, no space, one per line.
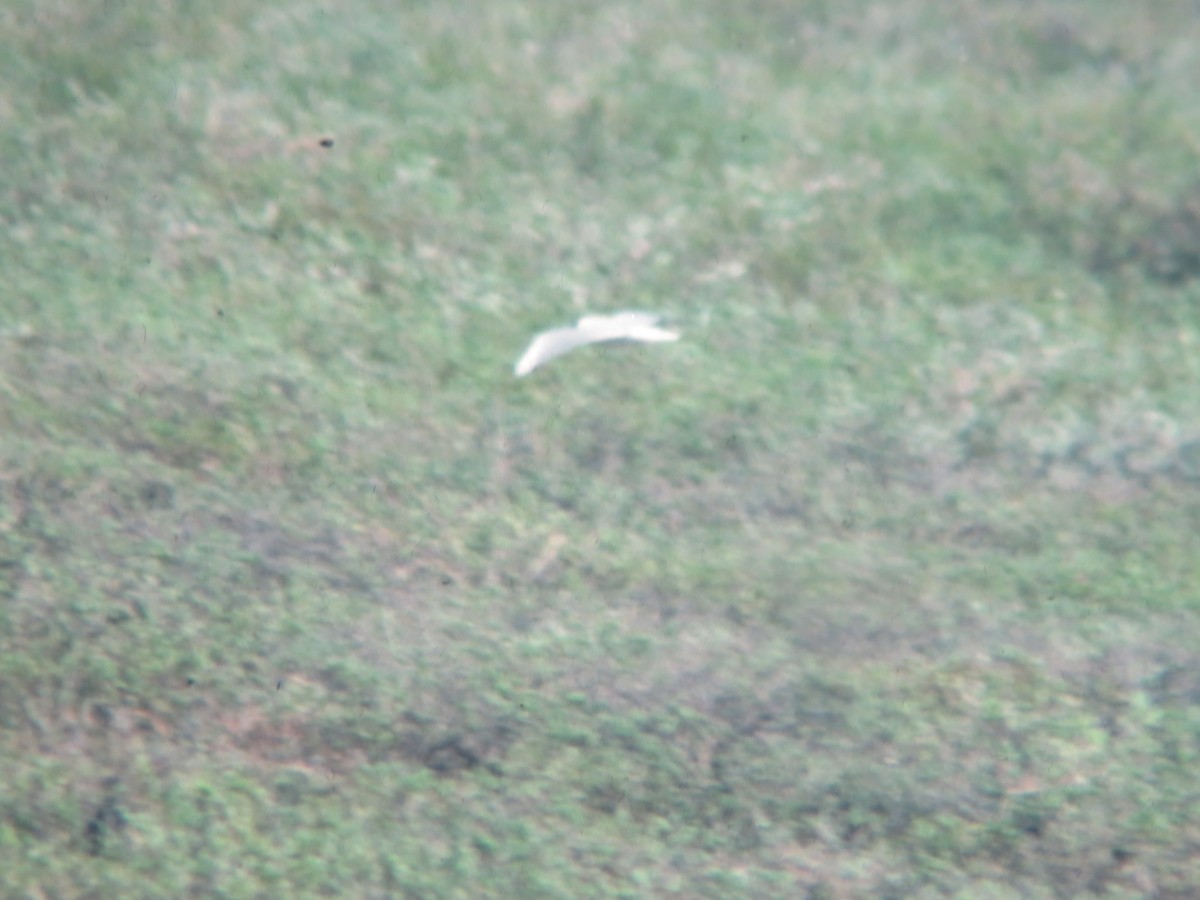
623,326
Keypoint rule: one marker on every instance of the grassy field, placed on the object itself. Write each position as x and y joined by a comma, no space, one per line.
884,581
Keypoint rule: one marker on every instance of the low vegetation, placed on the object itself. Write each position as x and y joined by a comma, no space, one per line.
881,582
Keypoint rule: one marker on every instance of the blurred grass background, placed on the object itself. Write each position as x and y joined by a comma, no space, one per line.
882,582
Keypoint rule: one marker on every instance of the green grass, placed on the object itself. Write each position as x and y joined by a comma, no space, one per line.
881,582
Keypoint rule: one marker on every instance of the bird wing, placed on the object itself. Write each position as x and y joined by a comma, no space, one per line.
624,326
651,334
618,321
547,345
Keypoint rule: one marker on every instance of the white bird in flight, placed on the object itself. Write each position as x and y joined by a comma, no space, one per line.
622,326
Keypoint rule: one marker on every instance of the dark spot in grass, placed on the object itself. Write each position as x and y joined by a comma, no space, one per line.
605,798
102,715
1163,242
453,754
449,757
1031,819
326,142
157,495
107,818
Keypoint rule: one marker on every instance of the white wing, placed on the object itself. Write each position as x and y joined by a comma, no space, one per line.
619,320
548,345
624,326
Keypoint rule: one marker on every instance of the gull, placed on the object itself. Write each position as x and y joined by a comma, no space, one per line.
622,326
